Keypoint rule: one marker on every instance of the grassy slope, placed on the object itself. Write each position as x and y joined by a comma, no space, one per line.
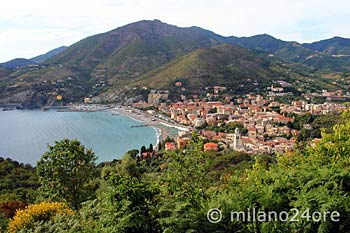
221,65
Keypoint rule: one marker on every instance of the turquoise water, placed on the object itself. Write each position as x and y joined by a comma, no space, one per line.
25,134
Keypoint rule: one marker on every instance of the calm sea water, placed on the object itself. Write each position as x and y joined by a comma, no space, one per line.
24,134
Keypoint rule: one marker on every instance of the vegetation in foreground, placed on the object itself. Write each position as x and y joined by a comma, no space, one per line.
174,191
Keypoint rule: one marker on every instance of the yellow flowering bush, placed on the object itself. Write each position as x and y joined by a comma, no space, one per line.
43,211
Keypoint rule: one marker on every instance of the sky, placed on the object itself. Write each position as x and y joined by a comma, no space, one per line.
30,28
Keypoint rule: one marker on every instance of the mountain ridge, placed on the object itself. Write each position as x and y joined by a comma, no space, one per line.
123,56
334,46
41,58
21,62
17,62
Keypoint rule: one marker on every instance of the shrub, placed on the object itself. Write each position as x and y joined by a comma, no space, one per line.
43,211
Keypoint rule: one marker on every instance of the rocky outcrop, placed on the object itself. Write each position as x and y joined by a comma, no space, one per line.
28,100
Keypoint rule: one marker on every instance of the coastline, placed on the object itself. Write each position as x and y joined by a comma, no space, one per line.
109,136
143,119
161,127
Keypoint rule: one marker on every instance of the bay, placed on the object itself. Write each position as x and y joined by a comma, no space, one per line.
25,134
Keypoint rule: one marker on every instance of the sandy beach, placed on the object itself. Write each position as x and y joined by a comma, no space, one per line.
162,127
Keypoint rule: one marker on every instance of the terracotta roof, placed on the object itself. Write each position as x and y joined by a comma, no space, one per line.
210,144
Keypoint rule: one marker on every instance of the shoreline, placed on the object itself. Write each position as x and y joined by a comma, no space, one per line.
90,129
162,127
142,119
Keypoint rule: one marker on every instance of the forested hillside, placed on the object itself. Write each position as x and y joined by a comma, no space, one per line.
107,64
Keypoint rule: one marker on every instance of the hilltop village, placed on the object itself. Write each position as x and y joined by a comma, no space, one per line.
251,123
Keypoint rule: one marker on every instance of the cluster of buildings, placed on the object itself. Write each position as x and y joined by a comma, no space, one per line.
300,107
264,133
265,120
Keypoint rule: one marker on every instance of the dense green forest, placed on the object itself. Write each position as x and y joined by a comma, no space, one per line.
182,191
18,181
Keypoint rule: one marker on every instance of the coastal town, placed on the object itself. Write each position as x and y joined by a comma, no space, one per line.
175,116
251,123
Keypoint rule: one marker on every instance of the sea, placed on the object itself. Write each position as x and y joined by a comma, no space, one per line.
26,134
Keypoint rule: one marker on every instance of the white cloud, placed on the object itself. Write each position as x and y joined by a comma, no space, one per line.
31,27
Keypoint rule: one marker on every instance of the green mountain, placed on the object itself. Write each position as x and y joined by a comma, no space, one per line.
17,62
34,87
22,62
288,51
43,57
4,72
328,55
227,65
132,50
334,46
154,54
106,60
